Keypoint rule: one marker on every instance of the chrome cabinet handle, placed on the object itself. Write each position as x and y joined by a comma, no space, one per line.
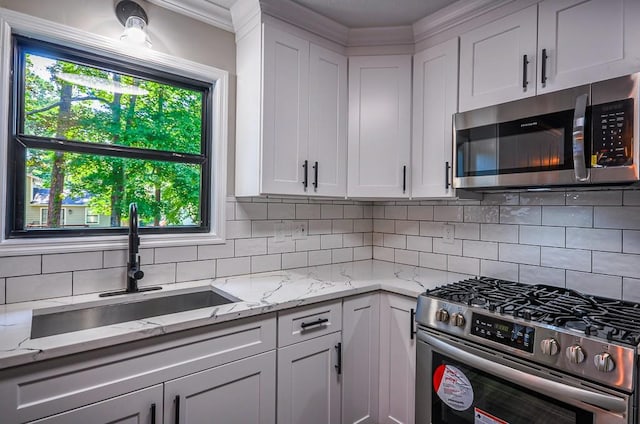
523,379
579,165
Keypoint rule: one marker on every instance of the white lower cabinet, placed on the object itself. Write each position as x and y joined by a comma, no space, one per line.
140,407
360,358
309,381
397,360
242,392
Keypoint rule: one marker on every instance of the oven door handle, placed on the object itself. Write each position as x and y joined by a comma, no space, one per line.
541,385
579,165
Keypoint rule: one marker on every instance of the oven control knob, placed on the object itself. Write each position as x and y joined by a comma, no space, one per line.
575,354
442,315
550,347
458,320
604,362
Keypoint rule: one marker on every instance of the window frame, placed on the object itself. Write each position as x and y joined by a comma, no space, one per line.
18,24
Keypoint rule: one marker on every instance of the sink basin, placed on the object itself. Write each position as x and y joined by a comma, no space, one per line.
47,323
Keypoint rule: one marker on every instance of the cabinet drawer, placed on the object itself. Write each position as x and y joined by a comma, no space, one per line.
51,387
308,322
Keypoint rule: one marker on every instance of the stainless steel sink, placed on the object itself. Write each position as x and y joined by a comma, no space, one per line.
48,323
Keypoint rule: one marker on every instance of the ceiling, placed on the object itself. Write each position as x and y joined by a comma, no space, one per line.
375,13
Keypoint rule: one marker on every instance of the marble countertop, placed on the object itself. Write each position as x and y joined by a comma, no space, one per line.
259,293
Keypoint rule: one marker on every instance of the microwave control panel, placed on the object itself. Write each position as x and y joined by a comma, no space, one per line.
504,332
612,134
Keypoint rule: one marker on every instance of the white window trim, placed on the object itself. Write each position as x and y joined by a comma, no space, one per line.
87,214
17,23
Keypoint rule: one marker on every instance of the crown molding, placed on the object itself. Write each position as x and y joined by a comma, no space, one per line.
202,10
452,15
245,14
380,36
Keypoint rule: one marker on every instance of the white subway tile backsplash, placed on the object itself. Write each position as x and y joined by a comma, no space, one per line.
433,260
467,231
574,259
455,248
631,289
384,226
367,239
230,210
495,269
500,199
71,262
251,211
353,240
377,239
422,213
233,266
362,253
341,255
252,246
408,227
542,236
35,287
332,211
542,199
519,253
397,241
419,243
432,229
630,241
266,263
594,239
367,211
158,274
116,258
627,217
341,226
13,266
631,198
216,251
310,243
277,246
541,275
463,265
294,260
99,280
596,284
176,254
622,264
196,270
319,257
482,214
377,212
281,211
320,226
499,232
332,241
383,253
594,198
354,212
448,213
267,228
307,211
567,216
531,215
238,229
406,257
395,212
480,249
362,225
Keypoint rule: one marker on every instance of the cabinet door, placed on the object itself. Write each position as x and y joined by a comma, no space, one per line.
492,66
435,100
397,360
361,347
134,408
327,122
587,41
285,111
379,126
308,382
241,392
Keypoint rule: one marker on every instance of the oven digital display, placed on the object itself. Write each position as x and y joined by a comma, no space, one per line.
504,332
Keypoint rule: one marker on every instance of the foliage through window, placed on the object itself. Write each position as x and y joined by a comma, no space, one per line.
93,134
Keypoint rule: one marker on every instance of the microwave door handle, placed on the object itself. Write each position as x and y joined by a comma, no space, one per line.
533,382
579,165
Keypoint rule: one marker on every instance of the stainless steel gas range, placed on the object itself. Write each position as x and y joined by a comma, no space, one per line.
493,352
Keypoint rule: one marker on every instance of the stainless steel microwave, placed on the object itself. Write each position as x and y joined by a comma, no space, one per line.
583,135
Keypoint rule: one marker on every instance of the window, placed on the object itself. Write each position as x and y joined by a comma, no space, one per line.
93,134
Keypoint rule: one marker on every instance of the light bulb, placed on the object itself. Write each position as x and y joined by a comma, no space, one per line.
135,32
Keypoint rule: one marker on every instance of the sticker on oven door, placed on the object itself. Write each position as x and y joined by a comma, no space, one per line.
453,387
482,417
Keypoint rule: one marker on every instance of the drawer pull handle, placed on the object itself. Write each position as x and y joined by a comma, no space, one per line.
153,413
338,366
319,321
177,421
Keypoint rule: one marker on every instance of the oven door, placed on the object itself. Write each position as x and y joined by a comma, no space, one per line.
460,384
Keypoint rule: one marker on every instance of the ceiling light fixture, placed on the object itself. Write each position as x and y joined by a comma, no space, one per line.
134,18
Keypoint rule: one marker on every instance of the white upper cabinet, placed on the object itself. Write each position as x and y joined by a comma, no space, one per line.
435,100
379,126
587,41
497,61
291,116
